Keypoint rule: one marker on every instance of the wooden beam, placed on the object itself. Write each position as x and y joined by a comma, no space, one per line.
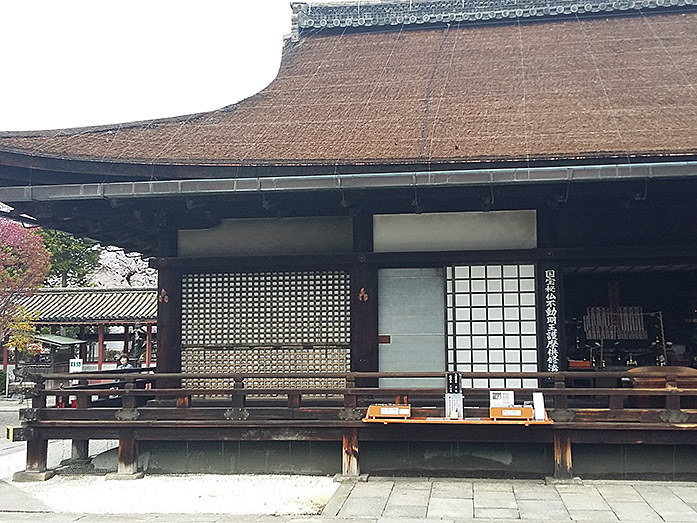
625,255
562,456
349,454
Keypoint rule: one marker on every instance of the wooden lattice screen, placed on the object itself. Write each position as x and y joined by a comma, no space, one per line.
266,322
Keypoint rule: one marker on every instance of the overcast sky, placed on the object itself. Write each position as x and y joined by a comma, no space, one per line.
70,63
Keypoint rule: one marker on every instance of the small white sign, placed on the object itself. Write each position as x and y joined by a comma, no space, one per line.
501,398
538,402
75,365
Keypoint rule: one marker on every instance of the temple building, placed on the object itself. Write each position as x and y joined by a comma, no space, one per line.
464,186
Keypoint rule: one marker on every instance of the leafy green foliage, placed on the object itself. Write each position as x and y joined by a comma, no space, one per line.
24,264
72,259
22,328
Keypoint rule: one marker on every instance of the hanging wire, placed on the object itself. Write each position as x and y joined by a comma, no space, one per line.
442,93
588,41
376,85
429,85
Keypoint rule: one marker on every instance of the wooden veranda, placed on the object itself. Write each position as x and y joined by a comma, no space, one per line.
658,408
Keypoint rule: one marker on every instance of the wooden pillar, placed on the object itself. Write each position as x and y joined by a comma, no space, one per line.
80,447
126,337
349,454
128,457
148,345
168,322
37,454
83,347
37,448
364,320
364,301
100,346
562,456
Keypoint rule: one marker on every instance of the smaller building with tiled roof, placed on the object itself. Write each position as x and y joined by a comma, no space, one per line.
93,305
95,311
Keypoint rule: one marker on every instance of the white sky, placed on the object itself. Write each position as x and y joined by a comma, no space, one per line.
70,63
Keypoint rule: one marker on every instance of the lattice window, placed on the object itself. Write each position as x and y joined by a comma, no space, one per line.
266,360
279,308
281,322
492,322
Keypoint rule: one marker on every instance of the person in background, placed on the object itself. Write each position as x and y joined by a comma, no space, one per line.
123,362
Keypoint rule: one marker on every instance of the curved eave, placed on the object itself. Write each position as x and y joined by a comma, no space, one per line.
28,166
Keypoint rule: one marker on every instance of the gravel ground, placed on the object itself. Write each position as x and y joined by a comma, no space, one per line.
183,494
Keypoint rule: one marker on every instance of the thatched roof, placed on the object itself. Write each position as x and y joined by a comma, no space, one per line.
572,88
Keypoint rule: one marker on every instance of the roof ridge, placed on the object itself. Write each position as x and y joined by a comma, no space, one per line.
316,16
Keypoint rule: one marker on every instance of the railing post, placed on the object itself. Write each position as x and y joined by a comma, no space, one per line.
672,398
129,400
350,400
238,397
561,401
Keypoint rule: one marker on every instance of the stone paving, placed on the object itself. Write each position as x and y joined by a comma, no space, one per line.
385,499
408,500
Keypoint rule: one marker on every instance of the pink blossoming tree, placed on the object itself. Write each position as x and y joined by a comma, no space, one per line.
24,264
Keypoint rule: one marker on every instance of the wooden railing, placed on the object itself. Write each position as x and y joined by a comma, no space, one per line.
656,404
569,395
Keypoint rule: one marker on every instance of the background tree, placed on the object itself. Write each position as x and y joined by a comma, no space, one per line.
22,328
24,265
72,259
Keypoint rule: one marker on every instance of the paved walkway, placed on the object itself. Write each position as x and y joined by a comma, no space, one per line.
386,500
482,500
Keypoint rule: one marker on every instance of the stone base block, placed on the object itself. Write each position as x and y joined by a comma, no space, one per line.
340,478
116,475
25,476
557,481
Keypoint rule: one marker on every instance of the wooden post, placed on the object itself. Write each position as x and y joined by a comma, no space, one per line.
364,301
148,345
129,400
364,321
128,457
80,447
83,347
126,337
238,398
100,346
560,401
616,402
168,324
673,398
562,456
37,454
349,454
37,448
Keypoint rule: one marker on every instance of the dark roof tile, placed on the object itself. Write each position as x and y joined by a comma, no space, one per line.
95,305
